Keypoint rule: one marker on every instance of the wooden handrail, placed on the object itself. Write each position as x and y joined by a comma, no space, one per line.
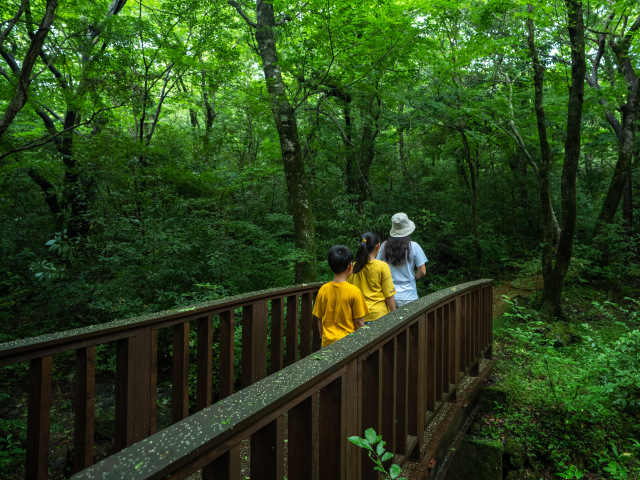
394,375
136,364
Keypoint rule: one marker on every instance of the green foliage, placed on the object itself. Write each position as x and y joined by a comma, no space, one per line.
374,444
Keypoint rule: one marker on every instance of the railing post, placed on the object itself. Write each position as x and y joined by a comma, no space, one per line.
227,340
402,399
369,407
305,326
267,451
225,467
254,342
38,418
317,338
352,452
125,368
153,386
85,402
332,430
454,346
142,401
292,330
180,373
446,344
430,353
303,439
204,367
388,395
417,388
277,334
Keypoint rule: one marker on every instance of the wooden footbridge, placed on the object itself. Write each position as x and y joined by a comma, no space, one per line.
409,375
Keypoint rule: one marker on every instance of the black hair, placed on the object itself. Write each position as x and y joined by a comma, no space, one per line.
340,257
397,250
367,245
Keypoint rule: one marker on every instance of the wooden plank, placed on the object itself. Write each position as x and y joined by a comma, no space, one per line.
439,354
462,356
125,378
225,467
388,395
469,332
267,451
254,343
369,399
142,384
153,387
414,380
204,362
431,361
422,380
454,313
227,339
305,326
38,419
292,330
352,452
332,430
180,373
446,344
402,400
85,401
277,334
303,440
317,338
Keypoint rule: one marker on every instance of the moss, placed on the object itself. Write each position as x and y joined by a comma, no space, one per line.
515,453
478,459
491,396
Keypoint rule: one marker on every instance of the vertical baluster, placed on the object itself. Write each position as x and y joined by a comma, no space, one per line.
474,333
180,373
351,452
142,384
125,369
305,326
303,440
317,338
388,395
85,402
332,430
369,406
469,331
478,305
267,451
417,392
153,387
292,330
277,334
38,418
225,467
439,342
462,349
402,399
254,342
430,353
204,362
454,346
446,339
227,340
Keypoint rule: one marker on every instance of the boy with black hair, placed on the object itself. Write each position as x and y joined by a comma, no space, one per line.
340,307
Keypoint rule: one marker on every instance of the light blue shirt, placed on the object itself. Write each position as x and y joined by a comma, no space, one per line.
404,275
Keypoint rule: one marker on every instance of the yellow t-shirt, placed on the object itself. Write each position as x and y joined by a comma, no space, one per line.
376,284
338,305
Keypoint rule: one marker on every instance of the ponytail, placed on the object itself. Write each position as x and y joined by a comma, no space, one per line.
366,246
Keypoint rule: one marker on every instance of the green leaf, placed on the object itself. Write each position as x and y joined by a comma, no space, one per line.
380,448
387,456
394,471
370,435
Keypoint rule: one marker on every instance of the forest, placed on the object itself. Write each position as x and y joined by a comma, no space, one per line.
156,154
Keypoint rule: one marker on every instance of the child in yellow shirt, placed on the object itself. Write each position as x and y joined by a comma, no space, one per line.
373,278
340,306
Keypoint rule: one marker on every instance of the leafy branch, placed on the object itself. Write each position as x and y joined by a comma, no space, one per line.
378,455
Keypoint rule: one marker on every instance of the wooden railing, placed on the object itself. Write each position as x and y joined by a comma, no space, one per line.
394,375
136,365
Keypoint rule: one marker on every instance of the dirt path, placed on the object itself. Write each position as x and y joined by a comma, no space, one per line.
508,289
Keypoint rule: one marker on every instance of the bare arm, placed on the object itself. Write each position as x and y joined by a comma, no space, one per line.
422,271
359,323
391,303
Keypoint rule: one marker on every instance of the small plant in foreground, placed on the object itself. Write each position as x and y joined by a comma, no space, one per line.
377,454
571,472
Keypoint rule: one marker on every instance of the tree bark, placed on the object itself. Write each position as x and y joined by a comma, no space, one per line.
544,170
20,97
626,133
287,127
552,295
474,194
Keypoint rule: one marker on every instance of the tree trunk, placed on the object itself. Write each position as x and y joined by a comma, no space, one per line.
287,127
20,97
627,205
553,291
626,134
474,194
545,157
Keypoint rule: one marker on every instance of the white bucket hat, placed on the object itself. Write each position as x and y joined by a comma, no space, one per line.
401,225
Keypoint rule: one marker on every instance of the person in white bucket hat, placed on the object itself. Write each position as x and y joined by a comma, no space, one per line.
406,259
